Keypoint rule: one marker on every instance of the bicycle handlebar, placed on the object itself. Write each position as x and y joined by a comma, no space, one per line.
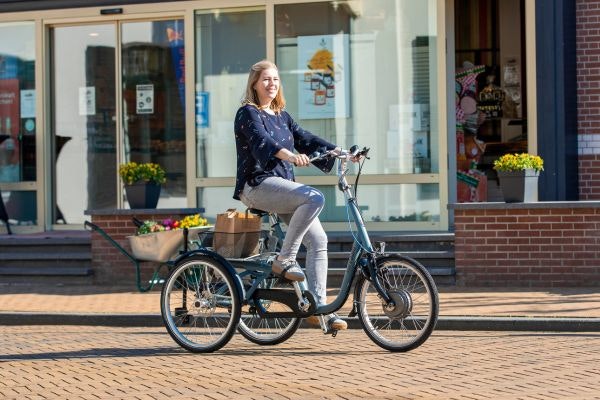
353,152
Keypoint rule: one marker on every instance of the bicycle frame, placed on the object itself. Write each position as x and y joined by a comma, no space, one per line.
362,247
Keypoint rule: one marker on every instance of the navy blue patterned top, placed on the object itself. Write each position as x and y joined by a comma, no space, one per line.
259,136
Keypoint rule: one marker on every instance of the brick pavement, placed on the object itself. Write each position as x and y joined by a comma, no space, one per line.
454,301
48,362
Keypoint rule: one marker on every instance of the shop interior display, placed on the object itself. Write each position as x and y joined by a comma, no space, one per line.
491,112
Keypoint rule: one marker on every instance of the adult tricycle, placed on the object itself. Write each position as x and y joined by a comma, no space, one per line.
206,297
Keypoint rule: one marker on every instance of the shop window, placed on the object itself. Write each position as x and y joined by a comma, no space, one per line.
228,44
154,101
17,102
83,120
491,106
366,73
20,206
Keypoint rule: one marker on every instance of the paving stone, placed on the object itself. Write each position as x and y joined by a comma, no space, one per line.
45,362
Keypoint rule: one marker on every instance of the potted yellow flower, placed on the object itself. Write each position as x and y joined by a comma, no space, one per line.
518,175
142,183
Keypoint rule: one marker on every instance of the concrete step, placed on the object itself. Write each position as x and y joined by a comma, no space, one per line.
43,271
440,265
34,245
45,260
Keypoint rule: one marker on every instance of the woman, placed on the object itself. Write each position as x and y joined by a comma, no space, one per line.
266,137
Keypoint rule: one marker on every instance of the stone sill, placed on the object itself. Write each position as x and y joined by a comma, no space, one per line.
144,211
521,206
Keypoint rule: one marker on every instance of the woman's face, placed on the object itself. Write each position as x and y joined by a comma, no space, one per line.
267,86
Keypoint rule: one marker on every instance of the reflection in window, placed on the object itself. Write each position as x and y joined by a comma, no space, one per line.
363,73
386,203
154,101
228,43
20,206
215,200
83,130
17,102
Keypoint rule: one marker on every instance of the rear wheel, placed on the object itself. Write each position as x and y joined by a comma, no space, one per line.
411,320
267,331
200,304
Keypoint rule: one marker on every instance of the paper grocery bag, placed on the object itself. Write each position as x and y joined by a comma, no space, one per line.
233,221
236,234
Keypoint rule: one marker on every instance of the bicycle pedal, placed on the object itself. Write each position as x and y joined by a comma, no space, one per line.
332,332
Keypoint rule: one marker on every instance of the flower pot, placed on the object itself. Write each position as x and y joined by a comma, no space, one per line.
519,186
143,194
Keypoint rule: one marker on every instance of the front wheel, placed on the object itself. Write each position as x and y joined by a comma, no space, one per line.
411,320
200,304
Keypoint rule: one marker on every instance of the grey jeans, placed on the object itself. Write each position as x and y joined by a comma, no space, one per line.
299,207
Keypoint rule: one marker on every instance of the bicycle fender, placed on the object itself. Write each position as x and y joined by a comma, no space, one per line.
221,260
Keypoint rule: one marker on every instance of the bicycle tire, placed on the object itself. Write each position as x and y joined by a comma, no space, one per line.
412,320
200,304
267,331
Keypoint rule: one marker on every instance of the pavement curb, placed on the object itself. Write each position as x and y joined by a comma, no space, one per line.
466,323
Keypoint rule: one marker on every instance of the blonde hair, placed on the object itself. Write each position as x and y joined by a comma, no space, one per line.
251,97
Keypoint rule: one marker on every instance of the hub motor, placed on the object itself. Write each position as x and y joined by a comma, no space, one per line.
402,305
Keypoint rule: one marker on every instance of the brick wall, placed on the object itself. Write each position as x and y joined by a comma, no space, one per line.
588,97
528,244
110,266
589,176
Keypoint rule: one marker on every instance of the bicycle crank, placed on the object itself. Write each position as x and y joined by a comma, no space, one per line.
299,308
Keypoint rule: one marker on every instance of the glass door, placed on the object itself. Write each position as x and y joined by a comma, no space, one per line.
153,84
84,155
130,71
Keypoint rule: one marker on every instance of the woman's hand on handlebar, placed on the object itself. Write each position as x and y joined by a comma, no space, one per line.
299,160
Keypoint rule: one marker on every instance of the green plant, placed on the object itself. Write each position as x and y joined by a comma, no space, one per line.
133,172
519,162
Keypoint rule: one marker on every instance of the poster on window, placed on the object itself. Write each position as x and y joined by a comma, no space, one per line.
324,79
144,99
87,100
9,130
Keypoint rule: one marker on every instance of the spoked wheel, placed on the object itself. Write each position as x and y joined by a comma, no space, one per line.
200,304
411,320
267,331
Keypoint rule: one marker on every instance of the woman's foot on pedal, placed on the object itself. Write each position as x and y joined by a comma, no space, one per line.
288,269
327,322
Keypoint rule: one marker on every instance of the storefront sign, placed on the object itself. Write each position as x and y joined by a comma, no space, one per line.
144,99
324,81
